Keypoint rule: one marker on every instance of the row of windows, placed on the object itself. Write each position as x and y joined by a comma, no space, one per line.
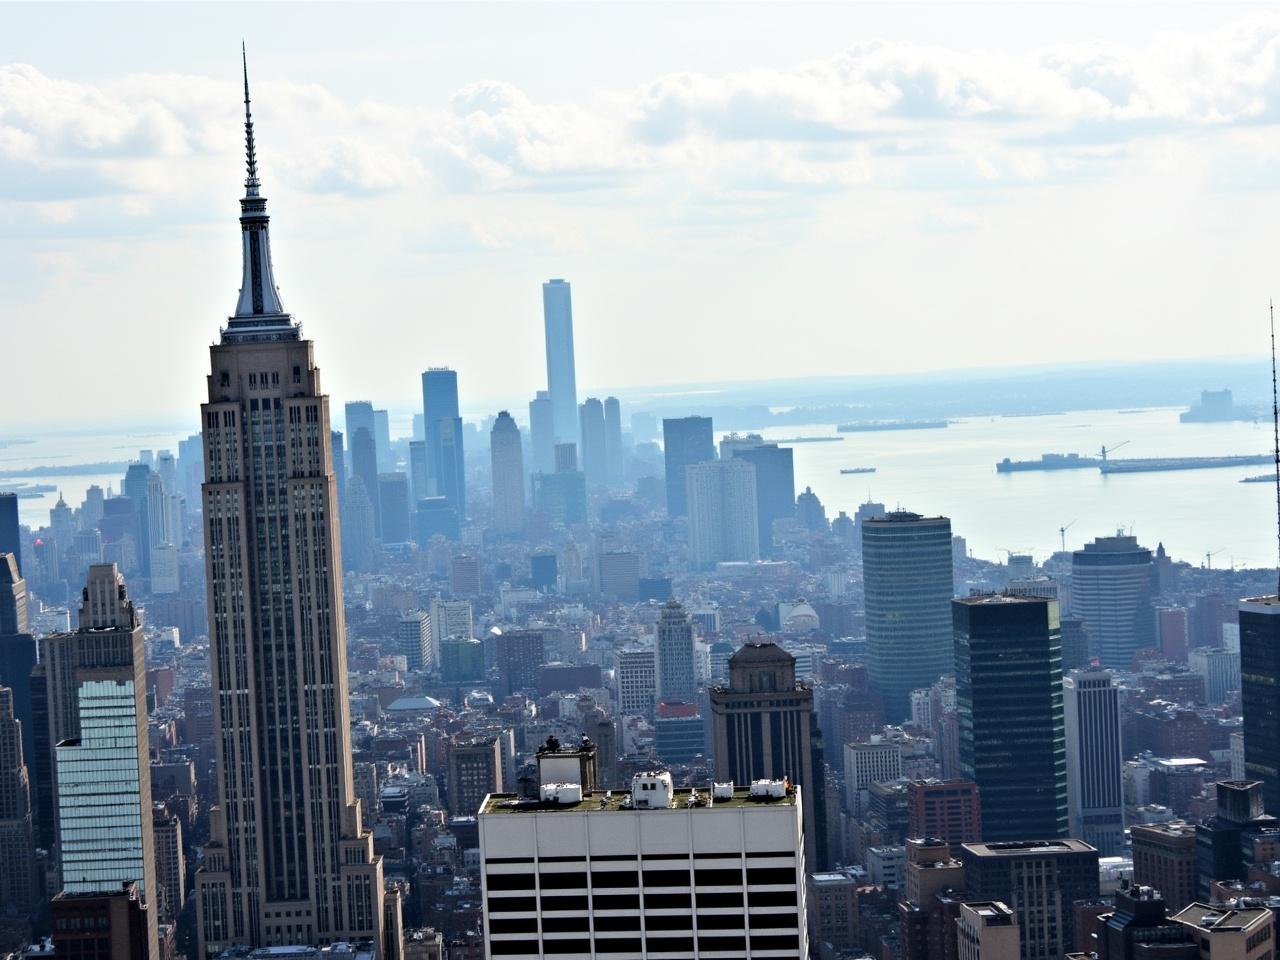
652,901
633,946
630,857
632,922
612,879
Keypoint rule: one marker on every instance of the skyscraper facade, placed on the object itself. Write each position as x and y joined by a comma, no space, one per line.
18,889
17,650
506,458
775,486
1009,703
1111,590
542,433
445,463
907,577
1260,694
10,538
613,453
562,384
1095,792
288,859
137,487
97,696
592,431
677,679
393,507
685,441
723,521
763,726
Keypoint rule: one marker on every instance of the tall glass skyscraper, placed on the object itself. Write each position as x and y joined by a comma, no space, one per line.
907,578
685,441
289,860
445,464
1260,694
96,692
542,433
10,541
1111,588
1008,652
562,383
594,443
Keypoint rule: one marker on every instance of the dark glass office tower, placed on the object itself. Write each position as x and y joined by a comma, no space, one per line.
1008,652
685,441
10,539
444,436
1260,693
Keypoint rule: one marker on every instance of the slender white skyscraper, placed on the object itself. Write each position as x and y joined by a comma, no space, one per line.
613,439
1095,793
289,860
562,384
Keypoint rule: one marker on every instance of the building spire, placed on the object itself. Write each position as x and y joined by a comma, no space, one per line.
259,311
251,157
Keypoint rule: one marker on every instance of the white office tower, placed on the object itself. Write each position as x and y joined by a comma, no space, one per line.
656,872
865,763
450,620
637,682
723,525
1095,790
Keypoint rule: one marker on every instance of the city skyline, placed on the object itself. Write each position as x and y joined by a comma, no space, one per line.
640,687
823,124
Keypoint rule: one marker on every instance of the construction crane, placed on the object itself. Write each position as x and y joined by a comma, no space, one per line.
1209,555
1105,450
1062,532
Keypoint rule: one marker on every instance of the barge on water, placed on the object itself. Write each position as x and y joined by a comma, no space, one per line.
1048,461
867,426
858,470
1160,464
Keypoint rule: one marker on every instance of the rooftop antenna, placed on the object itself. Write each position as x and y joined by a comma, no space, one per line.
1275,431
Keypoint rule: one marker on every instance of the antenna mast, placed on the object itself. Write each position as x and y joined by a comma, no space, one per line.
1275,430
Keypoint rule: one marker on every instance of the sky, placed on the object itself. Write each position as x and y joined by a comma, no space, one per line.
735,191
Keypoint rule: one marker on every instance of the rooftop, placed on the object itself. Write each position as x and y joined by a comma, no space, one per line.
607,801
1028,848
1222,917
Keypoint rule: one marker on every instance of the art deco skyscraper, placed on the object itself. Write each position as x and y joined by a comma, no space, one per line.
507,463
562,384
289,860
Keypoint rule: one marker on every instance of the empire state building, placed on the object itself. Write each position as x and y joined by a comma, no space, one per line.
289,861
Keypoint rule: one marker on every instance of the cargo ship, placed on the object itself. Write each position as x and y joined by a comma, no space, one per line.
866,426
1160,464
858,470
1048,461
1260,478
